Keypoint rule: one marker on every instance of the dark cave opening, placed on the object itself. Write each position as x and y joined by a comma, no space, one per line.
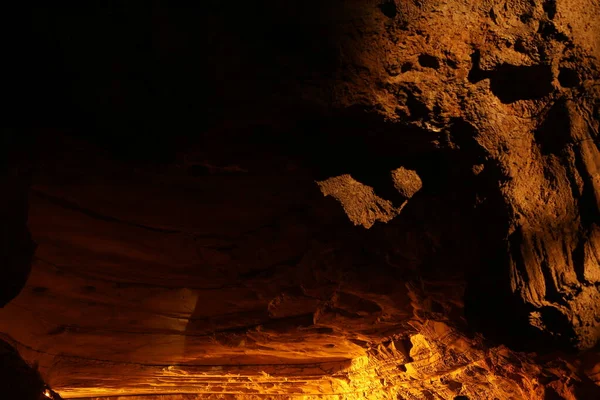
388,8
512,83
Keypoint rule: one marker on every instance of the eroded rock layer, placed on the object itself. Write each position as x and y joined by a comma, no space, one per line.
410,214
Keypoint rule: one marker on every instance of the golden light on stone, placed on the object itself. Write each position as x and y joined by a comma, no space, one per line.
415,217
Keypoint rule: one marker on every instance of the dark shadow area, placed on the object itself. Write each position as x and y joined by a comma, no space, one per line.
553,134
19,380
475,73
144,79
429,61
568,77
361,144
549,7
388,8
548,30
511,83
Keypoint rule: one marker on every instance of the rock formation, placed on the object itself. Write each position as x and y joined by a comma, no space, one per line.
513,89
331,200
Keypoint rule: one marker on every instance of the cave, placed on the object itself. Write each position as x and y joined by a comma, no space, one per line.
301,200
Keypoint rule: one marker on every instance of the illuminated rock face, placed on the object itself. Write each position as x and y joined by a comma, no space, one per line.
424,227
513,90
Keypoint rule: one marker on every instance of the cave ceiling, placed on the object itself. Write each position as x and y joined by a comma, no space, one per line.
303,200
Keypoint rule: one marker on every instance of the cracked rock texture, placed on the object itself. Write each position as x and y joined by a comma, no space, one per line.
514,88
382,200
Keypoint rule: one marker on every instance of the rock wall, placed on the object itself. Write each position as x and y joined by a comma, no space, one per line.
512,88
186,251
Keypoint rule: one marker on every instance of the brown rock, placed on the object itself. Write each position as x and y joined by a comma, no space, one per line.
359,201
407,182
206,266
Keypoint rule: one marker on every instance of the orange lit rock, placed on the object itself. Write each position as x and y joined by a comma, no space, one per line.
235,264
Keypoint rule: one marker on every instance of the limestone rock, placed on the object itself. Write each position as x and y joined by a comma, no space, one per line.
184,250
359,201
407,182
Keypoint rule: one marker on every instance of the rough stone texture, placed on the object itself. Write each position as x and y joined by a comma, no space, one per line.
518,81
225,273
406,182
359,201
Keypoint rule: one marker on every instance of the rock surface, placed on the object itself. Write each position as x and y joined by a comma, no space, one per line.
359,201
20,380
461,134
513,89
